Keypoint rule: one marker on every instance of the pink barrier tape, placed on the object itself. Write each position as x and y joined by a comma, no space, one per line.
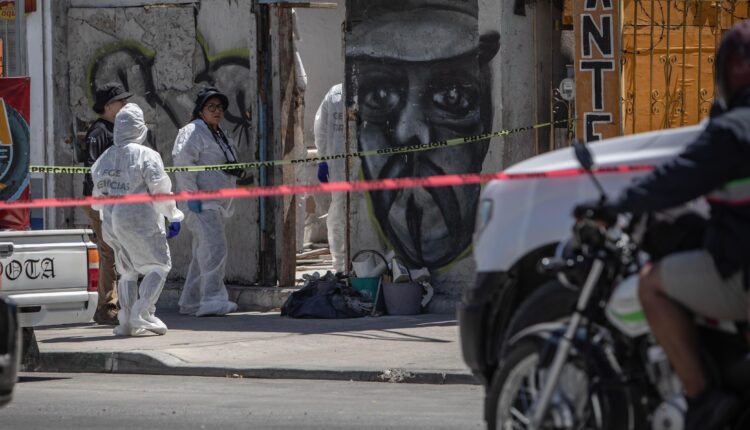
285,190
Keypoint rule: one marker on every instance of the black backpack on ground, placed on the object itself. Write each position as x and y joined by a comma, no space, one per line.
326,297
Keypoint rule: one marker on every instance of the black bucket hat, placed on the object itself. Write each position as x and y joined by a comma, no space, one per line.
107,93
206,94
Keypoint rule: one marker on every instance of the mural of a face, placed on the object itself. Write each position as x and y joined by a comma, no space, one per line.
418,72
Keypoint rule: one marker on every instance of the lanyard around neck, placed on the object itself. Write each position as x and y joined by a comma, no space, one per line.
221,139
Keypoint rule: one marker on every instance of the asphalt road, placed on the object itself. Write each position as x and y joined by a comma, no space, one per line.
100,401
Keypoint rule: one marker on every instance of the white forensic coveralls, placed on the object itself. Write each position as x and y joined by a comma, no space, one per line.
330,140
204,292
136,232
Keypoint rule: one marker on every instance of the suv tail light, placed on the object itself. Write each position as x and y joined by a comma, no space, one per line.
92,255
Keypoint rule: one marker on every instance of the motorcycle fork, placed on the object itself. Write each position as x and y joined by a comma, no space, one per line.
565,344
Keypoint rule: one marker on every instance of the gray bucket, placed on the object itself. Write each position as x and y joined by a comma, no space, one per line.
403,298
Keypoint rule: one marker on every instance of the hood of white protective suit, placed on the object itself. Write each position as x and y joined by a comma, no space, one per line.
130,127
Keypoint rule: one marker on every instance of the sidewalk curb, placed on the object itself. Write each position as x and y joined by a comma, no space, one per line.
165,364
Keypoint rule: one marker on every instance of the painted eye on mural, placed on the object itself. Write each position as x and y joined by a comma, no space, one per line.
456,99
382,99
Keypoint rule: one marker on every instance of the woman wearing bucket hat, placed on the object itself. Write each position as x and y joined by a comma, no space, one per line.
204,142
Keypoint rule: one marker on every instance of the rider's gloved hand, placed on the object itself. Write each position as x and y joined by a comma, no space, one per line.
596,210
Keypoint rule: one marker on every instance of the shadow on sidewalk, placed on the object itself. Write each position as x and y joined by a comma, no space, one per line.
28,378
385,328
106,337
392,335
273,323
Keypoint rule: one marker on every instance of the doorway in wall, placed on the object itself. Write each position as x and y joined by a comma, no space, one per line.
319,45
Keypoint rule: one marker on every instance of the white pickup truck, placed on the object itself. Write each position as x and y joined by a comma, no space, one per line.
51,275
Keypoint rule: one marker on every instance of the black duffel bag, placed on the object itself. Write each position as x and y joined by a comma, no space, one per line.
326,297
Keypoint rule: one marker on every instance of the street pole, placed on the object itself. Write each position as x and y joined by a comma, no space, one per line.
19,69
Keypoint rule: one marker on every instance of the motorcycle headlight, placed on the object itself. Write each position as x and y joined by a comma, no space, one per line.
484,214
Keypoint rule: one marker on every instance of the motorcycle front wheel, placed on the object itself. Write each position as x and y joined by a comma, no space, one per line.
575,404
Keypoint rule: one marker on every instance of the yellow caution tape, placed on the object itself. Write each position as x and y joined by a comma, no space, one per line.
342,156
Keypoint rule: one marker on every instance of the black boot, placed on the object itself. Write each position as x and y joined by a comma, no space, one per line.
710,410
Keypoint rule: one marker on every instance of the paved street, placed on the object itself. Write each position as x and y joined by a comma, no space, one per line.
94,401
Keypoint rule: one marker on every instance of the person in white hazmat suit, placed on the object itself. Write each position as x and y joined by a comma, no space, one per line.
203,142
330,140
136,232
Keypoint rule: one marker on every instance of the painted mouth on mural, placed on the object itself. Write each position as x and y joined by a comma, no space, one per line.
428,227
425,226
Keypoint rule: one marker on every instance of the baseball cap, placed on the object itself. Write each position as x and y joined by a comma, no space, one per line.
108,93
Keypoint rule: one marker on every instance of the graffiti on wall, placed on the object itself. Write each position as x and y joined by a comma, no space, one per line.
165,55
418,72
114,62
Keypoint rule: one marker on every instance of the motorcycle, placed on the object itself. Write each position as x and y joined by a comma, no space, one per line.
600,368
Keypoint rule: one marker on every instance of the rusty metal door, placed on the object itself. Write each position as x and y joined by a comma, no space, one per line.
669,48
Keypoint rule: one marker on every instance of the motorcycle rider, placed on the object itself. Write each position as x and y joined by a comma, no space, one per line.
712,281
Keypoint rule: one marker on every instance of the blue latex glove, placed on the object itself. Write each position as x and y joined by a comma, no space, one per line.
323,172
173,229
195,206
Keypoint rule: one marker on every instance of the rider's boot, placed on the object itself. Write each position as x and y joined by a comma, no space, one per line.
710,410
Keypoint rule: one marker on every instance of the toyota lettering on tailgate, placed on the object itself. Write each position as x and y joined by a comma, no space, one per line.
31,269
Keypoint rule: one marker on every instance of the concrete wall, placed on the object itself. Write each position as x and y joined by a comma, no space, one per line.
35,55
535,51
164,54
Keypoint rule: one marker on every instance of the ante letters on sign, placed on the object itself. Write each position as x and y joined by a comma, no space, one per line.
597,67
